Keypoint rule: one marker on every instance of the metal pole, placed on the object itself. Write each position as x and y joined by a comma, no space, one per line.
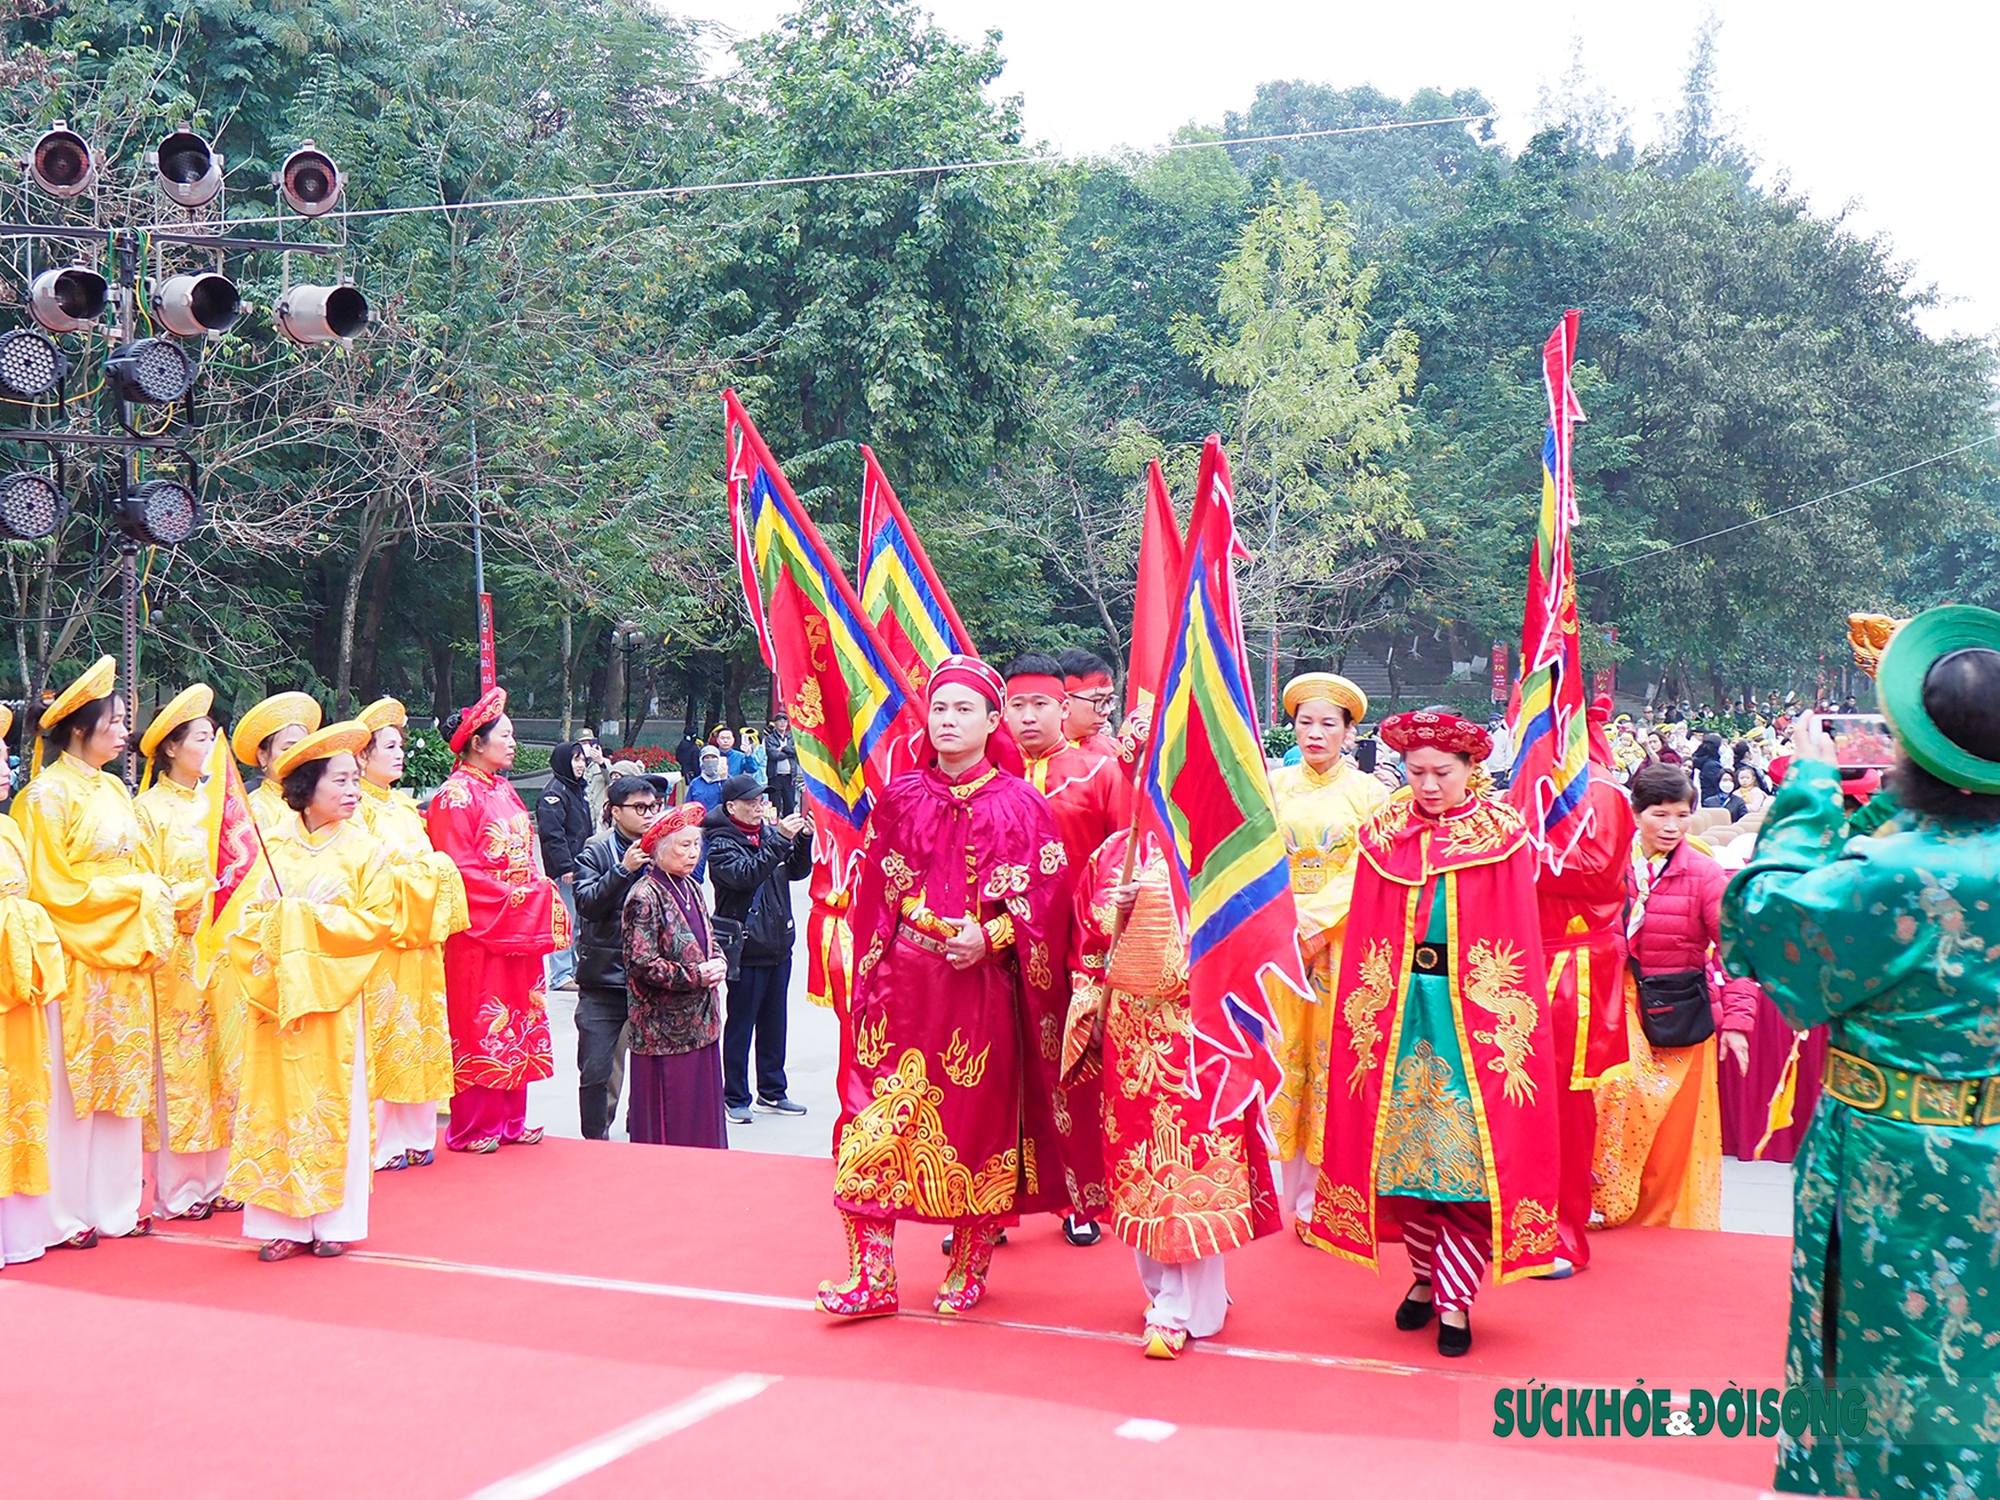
125,256
478,550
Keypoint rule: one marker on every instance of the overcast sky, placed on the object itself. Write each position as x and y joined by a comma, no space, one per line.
1883,107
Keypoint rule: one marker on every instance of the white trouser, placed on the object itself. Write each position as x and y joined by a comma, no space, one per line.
27,1227
97,1165
1189,1295
181,1179
348,1222
403,1127
1297,1181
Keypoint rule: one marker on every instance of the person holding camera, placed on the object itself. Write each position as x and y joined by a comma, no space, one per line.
752,860
606,868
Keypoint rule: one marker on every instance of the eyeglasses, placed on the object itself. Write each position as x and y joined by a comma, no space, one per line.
1102,702
640,807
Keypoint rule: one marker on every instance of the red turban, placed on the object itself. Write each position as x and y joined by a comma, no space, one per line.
669,823
1410,731
1600,742
491,705
971,672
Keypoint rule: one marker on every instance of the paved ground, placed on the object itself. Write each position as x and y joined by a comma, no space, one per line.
1756,1196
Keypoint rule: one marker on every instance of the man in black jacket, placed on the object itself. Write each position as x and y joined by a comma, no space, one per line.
752,861
605,870
562,819
781,764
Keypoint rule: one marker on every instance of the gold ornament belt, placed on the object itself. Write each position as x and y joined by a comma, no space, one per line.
1912,1098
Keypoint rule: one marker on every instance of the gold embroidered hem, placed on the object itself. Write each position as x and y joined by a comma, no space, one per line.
24,1100
1430,1139
1178,1198
108,1040
896,1157
1298,1111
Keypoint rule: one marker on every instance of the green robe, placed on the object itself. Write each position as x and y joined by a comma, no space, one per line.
1894,940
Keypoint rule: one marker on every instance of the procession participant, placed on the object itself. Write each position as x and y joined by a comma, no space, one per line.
674,973
263,734
958,1004
493,970
1887,938
1090,800
1321,802
116,922
1090,697
1183,1189
1442,1113
306,960
197,1018
1583,937
1659,1120
409,1040
31,982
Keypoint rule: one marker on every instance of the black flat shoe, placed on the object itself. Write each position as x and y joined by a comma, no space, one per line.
1452,1342
1081,1232
1412,1314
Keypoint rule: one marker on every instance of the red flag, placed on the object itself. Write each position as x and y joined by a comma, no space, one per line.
899,590
1153,605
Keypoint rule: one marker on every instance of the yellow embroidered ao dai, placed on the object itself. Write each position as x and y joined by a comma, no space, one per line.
1318,814
409,1037
200,1024
116,922
31,975
267,806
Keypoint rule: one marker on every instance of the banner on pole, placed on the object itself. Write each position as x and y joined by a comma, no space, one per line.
488,673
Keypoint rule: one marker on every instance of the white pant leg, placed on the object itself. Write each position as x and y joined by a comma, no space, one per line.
69,1144
27,1227
181,1179
117,1180
1189,1295
349,1221
1298,1180
403,1127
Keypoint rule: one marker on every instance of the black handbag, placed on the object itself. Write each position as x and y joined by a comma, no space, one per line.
1674,1009
728,934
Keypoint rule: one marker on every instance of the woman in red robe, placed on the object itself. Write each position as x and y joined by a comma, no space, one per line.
493,971
961,926
1441,1108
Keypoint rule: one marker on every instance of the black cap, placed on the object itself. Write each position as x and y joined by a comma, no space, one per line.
742,787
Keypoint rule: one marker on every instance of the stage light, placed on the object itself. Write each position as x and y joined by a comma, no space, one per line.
150,372
190,172
62,163
161,513
31,506
321,314
309,181
30,364
199,304
68,298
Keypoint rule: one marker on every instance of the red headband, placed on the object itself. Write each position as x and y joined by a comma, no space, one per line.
1088,680
968,671
1034,682
491,705
671,822
1409,731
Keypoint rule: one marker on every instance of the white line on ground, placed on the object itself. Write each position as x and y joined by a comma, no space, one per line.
564,1468
1145,1429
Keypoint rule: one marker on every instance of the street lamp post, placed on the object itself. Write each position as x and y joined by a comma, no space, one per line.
630,639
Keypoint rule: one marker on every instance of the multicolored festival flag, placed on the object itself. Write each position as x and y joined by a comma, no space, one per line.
900,592
855,717
1206,794
1550,728
1160,552
236,856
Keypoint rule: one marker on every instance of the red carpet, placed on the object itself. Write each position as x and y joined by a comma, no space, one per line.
471,1338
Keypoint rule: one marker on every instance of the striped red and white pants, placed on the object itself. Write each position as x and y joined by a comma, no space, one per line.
1449,1245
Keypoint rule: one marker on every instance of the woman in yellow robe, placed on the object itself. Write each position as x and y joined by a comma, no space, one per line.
409,1039
116,922
197,1018
263,734
1321,802
31,980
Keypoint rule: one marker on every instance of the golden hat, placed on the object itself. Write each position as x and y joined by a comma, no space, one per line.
1336,689
191,703
383,713
268,717
6,720
99,680
1870,635
350,735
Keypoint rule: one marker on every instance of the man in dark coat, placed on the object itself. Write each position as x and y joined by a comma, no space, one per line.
605,870
564,824
752,860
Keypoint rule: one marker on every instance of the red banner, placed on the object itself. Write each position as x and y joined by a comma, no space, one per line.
1500,693
488,675
1604,681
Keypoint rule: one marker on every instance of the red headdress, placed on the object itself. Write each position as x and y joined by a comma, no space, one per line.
970,671
1036,682
491,705
1599,715
669,823
1410,731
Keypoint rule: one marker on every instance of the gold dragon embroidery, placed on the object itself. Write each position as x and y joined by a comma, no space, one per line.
1495,987
1363,1004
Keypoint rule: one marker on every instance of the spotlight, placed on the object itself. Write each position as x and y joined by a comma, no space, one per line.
62,163
67,299
150,372
320,314
190,172
30,364
161,513
202,303
309,181
31,506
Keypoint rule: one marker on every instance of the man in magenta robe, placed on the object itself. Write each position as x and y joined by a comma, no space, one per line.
961,931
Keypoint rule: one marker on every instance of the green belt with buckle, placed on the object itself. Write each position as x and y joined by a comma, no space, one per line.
1912,1098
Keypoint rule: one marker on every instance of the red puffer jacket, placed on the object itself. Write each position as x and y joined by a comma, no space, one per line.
1679,930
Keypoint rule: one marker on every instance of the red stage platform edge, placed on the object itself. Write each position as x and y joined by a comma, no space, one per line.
508,1309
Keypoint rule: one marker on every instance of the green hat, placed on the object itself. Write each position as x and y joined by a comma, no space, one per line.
1907,661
